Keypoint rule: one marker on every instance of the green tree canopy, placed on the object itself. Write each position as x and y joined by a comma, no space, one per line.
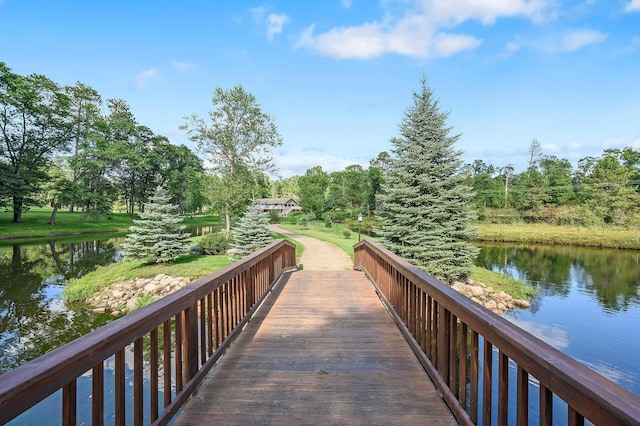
238,140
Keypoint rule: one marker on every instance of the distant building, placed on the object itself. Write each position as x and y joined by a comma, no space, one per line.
283,206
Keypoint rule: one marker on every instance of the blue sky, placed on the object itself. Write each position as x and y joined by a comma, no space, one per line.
337,75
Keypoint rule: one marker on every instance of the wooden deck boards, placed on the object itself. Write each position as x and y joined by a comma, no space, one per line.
323,351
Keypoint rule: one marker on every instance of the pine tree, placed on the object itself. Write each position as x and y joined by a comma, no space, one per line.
155,237
427,209
251,233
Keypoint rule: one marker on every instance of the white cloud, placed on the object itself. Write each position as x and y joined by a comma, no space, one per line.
633,6
577,39
144,77
418,31
550,147
346,4
575,145
275,23
183,67
511,48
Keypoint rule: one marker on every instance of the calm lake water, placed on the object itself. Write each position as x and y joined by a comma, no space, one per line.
588,304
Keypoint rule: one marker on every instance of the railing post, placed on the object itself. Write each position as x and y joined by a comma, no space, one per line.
190,338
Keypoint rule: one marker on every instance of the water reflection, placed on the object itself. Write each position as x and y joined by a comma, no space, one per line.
33,317
612,276
588,304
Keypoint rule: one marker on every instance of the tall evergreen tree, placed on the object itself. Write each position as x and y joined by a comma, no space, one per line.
426,205
155,237
251,233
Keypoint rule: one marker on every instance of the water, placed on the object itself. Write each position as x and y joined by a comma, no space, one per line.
34,318
588,304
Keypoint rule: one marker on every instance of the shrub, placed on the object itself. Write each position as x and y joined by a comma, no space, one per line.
215,243
274,217
347,233
303,222
327,222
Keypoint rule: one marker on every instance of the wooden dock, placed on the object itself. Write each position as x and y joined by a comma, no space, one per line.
322,350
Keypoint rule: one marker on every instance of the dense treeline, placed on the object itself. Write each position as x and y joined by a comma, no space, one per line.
600,190
64,146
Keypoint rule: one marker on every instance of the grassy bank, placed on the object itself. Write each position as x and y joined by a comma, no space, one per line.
191,266
34,224
187,266
609,237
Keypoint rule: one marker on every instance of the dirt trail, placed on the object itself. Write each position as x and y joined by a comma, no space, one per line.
318,255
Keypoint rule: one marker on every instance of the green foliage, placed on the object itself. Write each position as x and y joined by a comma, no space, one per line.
311,189
274,217
427,204
237,141
346,233
156,238
327,222
303,222
251,233
214,243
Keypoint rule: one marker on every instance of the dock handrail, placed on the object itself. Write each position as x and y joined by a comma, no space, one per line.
448,332
186,331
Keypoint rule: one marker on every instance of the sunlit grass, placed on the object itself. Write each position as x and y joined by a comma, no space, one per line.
191,266
500,282
333,235
34,224
605,236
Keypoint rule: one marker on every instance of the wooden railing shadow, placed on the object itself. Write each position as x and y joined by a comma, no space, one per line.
182,335
483,365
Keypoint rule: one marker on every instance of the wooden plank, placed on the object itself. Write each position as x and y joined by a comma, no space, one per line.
322,350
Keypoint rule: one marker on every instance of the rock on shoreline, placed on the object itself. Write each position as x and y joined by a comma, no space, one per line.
125,296
487,297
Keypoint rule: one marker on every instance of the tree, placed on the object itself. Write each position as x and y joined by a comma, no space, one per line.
558,173
311,189
535,153
238,141
156,237
33,128
251,233
607,192
427,205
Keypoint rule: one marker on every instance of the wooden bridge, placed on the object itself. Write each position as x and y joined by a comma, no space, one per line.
261,343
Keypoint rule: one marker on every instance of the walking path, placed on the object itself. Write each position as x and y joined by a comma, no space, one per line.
318,255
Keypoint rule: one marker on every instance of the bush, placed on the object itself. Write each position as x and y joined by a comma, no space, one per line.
215,243
347,233
303,222
274,217
327,222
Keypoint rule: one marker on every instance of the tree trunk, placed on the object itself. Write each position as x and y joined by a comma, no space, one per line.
17,209
52,220
227,216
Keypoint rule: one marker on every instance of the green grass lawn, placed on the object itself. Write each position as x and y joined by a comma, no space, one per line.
34,224
186,266
527,233
333,235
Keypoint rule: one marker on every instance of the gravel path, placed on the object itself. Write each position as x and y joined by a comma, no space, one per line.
318,255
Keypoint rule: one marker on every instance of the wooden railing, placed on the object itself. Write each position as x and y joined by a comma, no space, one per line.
483,365
142,367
